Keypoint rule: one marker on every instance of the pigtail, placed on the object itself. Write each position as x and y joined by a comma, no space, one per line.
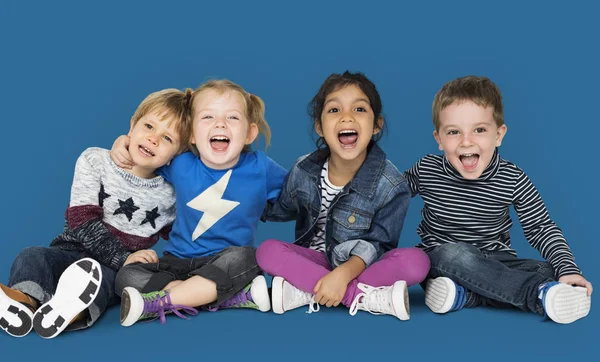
256,111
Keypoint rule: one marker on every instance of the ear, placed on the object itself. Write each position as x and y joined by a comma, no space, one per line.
252,133
192,139
500,134
378,125
438,140
318,129
131,127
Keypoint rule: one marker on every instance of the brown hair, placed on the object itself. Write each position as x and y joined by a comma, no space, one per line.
479,90
169,103
255,107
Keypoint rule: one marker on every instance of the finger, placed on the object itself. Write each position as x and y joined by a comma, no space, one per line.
589,288
337,302
329,303
154,256
319,298
317,287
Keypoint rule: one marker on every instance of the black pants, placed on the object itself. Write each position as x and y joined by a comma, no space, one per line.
231,269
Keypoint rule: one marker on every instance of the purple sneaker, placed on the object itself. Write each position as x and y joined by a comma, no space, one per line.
136,306
254,296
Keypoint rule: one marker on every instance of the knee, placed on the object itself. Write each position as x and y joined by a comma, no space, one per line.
458,253
33,256
413,261
266,254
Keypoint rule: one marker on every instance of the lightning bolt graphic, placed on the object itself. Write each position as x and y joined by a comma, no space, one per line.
212,204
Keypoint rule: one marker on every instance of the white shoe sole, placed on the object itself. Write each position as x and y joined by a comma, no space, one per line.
15,318
132,306
260,293
565,304
77,288
277,295
400,300
439,294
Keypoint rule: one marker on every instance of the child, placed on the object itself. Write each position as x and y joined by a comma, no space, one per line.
349,204
465,228
113,217
222,189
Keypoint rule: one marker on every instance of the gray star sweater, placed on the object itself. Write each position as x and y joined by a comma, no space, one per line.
112,212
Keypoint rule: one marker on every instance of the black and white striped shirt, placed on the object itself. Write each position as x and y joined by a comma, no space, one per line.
477,211
328,193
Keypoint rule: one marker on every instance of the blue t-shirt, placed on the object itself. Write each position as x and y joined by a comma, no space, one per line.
219,208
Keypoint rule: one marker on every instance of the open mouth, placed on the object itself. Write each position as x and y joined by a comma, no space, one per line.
219,143
469,160
146,151
348,138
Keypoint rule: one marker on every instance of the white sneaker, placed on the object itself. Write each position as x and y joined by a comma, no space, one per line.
564,303
77,288
383,300
286,297
15,318
442,295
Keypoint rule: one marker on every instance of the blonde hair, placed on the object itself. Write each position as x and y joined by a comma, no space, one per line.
255,107
169,103
479,90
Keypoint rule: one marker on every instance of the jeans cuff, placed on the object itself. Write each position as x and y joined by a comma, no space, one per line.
34,290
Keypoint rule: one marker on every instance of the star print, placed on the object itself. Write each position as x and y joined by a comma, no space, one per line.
126,207
102,195
151,216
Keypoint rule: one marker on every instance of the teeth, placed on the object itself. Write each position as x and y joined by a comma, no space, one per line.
147,150
468,154
219,138
348,131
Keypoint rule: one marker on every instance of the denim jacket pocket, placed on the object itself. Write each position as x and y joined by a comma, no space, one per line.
351,219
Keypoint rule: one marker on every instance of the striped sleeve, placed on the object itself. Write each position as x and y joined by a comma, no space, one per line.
412,176
541,232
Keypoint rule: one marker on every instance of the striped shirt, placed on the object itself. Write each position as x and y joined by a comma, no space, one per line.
328,192
477,211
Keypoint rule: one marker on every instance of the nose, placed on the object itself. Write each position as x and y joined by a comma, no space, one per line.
153,139
466,139
220,123
347,117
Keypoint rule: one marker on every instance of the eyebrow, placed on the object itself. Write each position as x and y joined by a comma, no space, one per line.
354,101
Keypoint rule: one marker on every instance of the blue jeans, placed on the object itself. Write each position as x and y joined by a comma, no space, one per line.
36,271
495,279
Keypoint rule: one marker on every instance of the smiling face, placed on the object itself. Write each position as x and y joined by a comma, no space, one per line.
221,128
347,124
154,142
469,135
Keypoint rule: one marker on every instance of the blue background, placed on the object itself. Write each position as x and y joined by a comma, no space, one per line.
72,74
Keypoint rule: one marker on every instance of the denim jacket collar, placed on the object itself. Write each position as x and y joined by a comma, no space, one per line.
365,180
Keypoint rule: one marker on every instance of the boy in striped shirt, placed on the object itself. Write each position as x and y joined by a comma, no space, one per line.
465,223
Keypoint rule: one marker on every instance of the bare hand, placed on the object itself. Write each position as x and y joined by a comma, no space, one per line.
142,256
578,280
119,153
330,289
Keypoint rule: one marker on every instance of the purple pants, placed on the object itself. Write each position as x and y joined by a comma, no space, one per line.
303,267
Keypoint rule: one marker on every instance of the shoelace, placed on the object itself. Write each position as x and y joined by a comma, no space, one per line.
311,306
233,302
373,300
159,305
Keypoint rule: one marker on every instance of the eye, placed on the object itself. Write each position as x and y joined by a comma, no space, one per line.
234,117
333,110
148,125
452,132
206,117
168,139
360,109
480,130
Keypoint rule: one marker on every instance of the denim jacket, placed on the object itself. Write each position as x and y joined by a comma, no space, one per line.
365,219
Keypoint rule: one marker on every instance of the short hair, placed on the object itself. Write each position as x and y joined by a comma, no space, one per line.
169,103
336,82
255,107
479,90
